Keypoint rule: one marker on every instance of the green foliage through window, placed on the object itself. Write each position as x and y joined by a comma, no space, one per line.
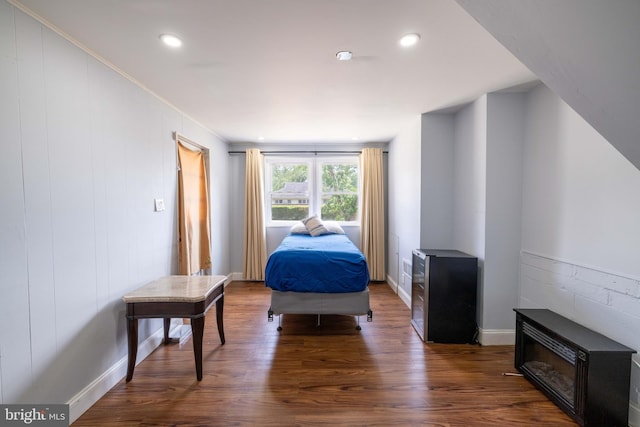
292,194
289,213
340,207
283,173
339,178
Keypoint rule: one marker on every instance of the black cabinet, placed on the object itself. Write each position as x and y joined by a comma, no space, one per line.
443,295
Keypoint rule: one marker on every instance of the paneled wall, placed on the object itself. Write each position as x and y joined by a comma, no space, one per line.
85,152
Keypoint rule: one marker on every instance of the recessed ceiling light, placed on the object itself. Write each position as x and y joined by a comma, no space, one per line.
344,55
170,40
409,40
261,138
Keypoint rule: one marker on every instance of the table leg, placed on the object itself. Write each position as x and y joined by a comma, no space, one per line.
132,342
167,323
219,309
197,330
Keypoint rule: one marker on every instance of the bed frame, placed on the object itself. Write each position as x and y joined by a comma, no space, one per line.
348,303
318,275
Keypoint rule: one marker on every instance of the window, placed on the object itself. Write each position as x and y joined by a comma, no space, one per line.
339,190
325,186
287,189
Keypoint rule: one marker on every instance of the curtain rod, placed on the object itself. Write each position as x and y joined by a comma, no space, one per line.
304,152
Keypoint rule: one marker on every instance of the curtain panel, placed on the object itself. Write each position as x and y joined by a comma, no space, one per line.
194,249
372,241
255,248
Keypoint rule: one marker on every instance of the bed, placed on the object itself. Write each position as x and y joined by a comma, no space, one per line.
320,275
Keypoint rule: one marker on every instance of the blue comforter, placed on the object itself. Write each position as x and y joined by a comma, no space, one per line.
329,263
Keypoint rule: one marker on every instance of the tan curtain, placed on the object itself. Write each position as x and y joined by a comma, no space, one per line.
194,253
255,248
372,240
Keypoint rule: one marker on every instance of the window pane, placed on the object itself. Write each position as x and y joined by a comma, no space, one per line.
289,191
340,207
339,200
338,178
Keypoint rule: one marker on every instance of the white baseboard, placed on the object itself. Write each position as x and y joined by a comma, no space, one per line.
87,397
392,284
239,277
497,336
406,298
182,333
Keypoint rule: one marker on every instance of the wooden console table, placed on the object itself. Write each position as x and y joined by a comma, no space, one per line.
175,297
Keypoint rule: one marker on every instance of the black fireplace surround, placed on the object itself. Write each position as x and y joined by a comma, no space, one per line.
583,372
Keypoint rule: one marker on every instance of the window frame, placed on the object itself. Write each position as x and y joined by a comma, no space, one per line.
268,185
320,161
314,184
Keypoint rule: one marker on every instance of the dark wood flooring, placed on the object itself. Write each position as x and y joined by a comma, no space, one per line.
333,375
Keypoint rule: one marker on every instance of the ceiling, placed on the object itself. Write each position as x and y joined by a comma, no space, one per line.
253,69
586,52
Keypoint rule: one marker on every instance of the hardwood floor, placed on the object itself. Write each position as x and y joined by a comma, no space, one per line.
327,376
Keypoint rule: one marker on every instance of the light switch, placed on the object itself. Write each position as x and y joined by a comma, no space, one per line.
159,204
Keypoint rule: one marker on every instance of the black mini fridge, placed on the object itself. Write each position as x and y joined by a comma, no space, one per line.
443,296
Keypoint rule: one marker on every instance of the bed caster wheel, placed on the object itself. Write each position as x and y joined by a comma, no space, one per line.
279,328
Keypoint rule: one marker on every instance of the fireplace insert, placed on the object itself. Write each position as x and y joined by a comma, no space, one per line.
585,373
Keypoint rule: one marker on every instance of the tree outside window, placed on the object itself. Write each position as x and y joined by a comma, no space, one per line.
294,194
289,190
339,191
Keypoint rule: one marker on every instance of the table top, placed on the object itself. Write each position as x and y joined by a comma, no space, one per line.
176,289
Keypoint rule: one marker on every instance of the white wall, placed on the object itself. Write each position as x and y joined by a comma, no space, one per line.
505,141
581,199
237,168
404,196
85,152
580,229
436,219
469,189
469,182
